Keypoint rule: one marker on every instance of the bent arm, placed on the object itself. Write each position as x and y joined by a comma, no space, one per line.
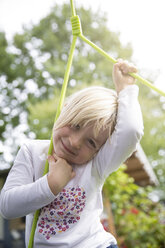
20,194
128,132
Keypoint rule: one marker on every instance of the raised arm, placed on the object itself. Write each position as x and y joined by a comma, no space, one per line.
129,125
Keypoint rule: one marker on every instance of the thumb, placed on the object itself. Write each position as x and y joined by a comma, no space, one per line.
51,160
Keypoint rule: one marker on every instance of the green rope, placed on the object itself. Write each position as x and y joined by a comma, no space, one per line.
72,8
35,219
135,75
147,83
77,31
101,51
76,25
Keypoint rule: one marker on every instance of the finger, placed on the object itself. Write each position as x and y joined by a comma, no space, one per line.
133,69
51,159
129,70
117,67
55,156
128,67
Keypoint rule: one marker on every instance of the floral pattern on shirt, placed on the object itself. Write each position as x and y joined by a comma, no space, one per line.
62,213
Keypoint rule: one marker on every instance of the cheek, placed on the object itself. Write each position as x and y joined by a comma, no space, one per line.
58,133
56,136
88,154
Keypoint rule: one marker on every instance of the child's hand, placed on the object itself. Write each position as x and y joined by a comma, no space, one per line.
120,75
60,173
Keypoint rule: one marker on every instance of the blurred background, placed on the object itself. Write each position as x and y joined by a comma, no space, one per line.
35,38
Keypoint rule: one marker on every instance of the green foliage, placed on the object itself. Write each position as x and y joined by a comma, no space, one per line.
139,222
152,142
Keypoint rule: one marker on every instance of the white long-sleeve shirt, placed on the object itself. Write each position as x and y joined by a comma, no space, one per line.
71,219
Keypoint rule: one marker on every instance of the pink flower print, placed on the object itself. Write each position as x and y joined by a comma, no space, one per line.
62,213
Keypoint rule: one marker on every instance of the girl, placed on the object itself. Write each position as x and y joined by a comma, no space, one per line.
97,130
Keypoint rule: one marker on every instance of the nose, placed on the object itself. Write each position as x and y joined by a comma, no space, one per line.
75,140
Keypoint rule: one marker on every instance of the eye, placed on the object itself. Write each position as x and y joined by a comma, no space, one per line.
75,127
92,143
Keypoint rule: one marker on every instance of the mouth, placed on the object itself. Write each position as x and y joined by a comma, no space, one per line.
67,149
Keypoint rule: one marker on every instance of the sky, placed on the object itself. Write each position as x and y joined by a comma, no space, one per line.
139,22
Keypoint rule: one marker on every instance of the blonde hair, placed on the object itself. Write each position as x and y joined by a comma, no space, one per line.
93,105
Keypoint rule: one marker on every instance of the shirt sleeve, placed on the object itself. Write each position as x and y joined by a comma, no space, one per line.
128,132
20,194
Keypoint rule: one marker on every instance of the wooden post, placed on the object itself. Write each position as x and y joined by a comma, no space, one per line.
108,210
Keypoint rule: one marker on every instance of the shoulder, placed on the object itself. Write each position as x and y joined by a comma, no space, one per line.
32,144
37,147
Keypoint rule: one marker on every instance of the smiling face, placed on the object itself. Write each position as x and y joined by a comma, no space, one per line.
78,145
87,119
